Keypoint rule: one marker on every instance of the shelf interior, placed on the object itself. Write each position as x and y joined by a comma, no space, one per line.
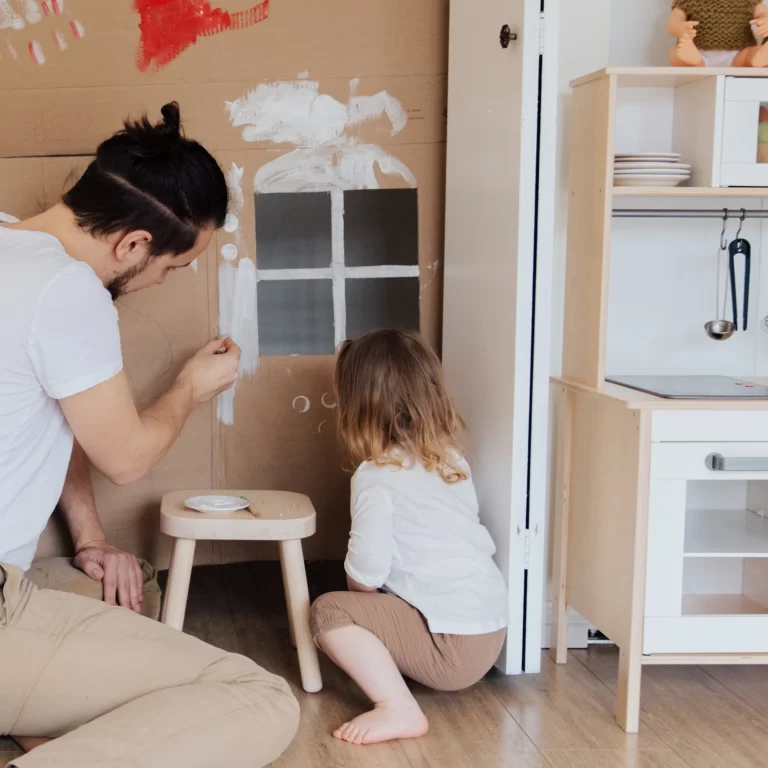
721,605
725,533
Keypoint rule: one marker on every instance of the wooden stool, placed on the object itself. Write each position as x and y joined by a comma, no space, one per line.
273,516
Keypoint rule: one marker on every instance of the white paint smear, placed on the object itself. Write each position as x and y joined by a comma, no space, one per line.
12,52
244,328
433,269
328,168
9,19
237,319
297,113
61,43
301,404
235,186
32,12
303,75
237,294
326,401
78,29
193,264
320,427
229,252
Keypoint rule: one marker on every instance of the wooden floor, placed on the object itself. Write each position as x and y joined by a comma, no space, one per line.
562,718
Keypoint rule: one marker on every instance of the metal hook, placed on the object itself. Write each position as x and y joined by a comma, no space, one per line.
741,223
723,240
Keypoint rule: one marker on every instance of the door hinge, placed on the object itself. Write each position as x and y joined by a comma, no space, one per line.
542,32
527,549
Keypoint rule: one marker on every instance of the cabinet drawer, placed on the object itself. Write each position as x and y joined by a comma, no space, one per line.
706,634
746,89
709,426
693,461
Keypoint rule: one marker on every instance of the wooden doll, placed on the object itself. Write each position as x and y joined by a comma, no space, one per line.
718,33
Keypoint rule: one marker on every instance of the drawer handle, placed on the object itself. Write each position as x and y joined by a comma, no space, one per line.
719,463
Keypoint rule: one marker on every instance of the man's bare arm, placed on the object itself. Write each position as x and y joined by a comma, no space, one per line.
124,444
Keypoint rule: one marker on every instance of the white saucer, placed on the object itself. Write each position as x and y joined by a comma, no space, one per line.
221,505
680,175
648,181
667,157
624,165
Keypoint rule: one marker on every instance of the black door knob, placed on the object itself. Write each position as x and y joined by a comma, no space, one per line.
506,36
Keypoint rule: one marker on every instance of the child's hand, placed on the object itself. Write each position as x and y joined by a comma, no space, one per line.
687,31
760,26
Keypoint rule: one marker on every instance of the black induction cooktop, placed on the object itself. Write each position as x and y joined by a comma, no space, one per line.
693,387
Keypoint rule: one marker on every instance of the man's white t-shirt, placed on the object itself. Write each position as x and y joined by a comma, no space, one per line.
58,337
421,538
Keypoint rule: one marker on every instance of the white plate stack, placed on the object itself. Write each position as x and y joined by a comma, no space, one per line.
649,169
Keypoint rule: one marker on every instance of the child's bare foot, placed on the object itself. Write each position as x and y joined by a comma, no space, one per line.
686,54
386,721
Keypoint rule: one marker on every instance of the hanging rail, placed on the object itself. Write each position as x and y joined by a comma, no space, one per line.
688,213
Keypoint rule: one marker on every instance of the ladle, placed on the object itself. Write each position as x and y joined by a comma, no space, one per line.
721,329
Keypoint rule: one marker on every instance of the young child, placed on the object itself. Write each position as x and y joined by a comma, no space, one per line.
426,599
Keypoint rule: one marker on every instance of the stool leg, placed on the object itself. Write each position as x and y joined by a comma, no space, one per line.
297,598
291,630
178,583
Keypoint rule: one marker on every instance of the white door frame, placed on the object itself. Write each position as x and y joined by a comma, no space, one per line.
538,458
517,476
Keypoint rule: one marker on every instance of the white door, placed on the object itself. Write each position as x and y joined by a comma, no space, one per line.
499,202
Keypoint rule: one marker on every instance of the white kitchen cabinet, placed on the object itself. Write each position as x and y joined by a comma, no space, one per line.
707,550
660,536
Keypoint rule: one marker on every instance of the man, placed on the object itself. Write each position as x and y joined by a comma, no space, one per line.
107,685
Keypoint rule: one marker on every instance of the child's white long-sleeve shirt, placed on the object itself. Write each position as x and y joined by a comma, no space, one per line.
420,538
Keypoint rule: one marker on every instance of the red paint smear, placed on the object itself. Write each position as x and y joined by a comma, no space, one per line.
56,7
46,9
169,27
32,53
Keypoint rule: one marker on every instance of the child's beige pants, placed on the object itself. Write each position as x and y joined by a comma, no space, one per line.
442,662
122,691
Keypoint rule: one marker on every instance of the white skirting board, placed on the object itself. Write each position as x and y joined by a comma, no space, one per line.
578,628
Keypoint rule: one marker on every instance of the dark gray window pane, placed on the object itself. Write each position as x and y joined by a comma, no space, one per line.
295,317
382,302
293,230
381,226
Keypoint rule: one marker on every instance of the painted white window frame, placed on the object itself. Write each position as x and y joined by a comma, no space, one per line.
338,272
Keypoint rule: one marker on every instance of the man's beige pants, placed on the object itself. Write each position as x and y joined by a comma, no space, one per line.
117,689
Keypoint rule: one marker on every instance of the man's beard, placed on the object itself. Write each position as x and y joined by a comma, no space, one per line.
116,287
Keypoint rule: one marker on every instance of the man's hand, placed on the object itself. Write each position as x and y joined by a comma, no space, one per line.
119,571
212,370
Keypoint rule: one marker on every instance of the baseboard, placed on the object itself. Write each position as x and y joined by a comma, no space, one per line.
578,628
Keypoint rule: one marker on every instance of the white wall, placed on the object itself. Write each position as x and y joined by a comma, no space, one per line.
612,33
639,34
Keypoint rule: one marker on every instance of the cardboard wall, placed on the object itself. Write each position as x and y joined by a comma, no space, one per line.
66,82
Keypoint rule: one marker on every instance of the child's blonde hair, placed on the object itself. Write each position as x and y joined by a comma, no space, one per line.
391,395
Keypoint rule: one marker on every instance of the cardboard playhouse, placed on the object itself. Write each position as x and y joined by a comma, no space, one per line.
329,121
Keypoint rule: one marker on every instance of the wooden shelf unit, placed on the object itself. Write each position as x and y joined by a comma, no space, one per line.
625,459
